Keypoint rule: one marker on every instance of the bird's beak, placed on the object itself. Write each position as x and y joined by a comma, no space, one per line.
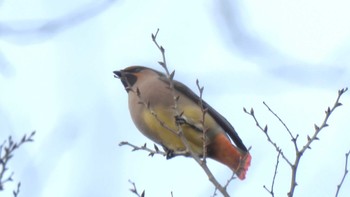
117,73
124,78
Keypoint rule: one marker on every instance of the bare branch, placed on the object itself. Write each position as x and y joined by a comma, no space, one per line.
16,192
298,153
346,171
314,137
270,191
145,148
162,51
179,128
233,177
6,153
264,130
294,139
204,128
134,190
324,123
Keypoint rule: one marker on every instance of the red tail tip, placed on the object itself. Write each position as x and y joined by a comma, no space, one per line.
243,166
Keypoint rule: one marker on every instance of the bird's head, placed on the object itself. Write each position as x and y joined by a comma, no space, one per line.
132,74
128,76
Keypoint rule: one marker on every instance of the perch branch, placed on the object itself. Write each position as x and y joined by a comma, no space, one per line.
145,148
179,131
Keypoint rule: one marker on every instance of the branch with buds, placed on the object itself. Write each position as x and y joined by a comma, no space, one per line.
346,171
299,151
7,149
134,190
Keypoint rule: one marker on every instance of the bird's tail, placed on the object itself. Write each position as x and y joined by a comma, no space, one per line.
243,166
223,151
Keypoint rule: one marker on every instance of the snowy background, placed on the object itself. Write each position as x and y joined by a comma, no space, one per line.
56,63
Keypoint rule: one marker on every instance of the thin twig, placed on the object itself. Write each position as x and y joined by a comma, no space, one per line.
145,148
180,133
233,177
314,137
299,153
134,190
9,147
271,190
345,173
205,129
324,123
264,130
16,192
294,139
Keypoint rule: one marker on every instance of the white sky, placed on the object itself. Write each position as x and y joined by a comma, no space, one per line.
57,79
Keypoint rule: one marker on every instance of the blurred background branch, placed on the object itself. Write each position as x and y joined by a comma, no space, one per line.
31,31
36,30
242,37
6,154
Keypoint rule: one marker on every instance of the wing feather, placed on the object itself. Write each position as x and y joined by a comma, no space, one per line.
222,121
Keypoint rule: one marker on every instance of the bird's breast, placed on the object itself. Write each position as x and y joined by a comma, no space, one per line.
153,113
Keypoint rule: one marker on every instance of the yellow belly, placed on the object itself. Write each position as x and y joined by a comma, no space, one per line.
158,128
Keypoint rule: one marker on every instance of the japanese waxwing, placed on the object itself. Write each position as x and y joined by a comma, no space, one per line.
151,105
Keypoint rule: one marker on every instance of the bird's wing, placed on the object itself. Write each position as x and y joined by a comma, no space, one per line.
228,128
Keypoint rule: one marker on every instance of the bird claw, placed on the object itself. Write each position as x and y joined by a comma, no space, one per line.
180,120
168,153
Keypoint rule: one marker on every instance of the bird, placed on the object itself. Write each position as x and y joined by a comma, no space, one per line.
159,105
